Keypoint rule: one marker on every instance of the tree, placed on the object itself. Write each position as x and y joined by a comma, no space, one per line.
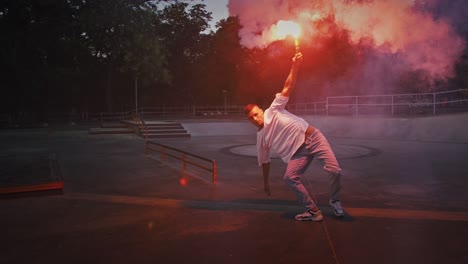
460,81
37,47
183,28
143,53
227,62
106,26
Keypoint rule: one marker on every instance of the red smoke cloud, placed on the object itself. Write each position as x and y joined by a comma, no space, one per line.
395,27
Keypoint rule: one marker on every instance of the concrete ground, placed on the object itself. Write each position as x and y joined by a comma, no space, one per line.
406,201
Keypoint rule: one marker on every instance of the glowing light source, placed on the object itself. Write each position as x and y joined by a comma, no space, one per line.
285,28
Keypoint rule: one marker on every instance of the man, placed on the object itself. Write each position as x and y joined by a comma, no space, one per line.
297,143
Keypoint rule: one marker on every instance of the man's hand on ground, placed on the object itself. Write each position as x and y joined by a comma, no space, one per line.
266,188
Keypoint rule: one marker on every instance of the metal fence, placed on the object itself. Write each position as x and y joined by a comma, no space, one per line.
390,105
448,102
400,104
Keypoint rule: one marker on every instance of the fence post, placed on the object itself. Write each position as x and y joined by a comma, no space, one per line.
356,105
145,127
433,103
326,106
392,106
183,162
214,172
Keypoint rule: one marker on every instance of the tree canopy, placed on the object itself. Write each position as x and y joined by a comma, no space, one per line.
88,56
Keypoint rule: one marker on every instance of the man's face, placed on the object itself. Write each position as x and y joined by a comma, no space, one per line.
256,117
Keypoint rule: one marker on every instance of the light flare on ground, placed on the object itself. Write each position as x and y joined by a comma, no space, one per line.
183,182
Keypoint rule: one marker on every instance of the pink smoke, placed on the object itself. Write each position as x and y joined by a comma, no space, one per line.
397,27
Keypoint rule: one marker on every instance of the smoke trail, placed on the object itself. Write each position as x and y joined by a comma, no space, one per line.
405,34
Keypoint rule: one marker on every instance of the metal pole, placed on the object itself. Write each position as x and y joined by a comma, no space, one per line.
326,106
136,95
392,106
356,104
214,172
224,92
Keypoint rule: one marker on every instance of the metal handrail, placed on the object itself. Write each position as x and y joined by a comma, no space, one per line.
140,122
184,159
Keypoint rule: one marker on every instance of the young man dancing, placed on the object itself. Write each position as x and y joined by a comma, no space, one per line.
297,143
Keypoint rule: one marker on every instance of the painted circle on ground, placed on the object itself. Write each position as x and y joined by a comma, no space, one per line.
341,151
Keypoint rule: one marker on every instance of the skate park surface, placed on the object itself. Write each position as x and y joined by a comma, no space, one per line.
404,193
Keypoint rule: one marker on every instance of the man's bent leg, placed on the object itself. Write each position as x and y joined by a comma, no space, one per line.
318,146
335,186
294,171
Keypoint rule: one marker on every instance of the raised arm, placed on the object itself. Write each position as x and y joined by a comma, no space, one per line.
292,77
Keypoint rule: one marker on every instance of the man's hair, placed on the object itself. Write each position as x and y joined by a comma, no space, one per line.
249,108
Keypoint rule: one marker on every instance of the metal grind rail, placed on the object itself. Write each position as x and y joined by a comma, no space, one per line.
183,156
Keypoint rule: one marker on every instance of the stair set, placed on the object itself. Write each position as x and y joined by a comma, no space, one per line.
162,129
155,129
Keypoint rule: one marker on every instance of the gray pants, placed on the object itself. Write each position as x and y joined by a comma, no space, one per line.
316,145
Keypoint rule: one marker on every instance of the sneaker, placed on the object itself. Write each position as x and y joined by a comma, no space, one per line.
337,209
310,216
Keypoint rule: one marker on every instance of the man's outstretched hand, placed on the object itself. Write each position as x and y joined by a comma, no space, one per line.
297,59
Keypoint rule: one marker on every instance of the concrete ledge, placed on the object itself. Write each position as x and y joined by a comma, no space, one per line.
98,131
32,188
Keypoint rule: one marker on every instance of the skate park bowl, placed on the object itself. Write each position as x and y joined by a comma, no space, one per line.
404,195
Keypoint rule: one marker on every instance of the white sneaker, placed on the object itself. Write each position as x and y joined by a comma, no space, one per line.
310,216
337,209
